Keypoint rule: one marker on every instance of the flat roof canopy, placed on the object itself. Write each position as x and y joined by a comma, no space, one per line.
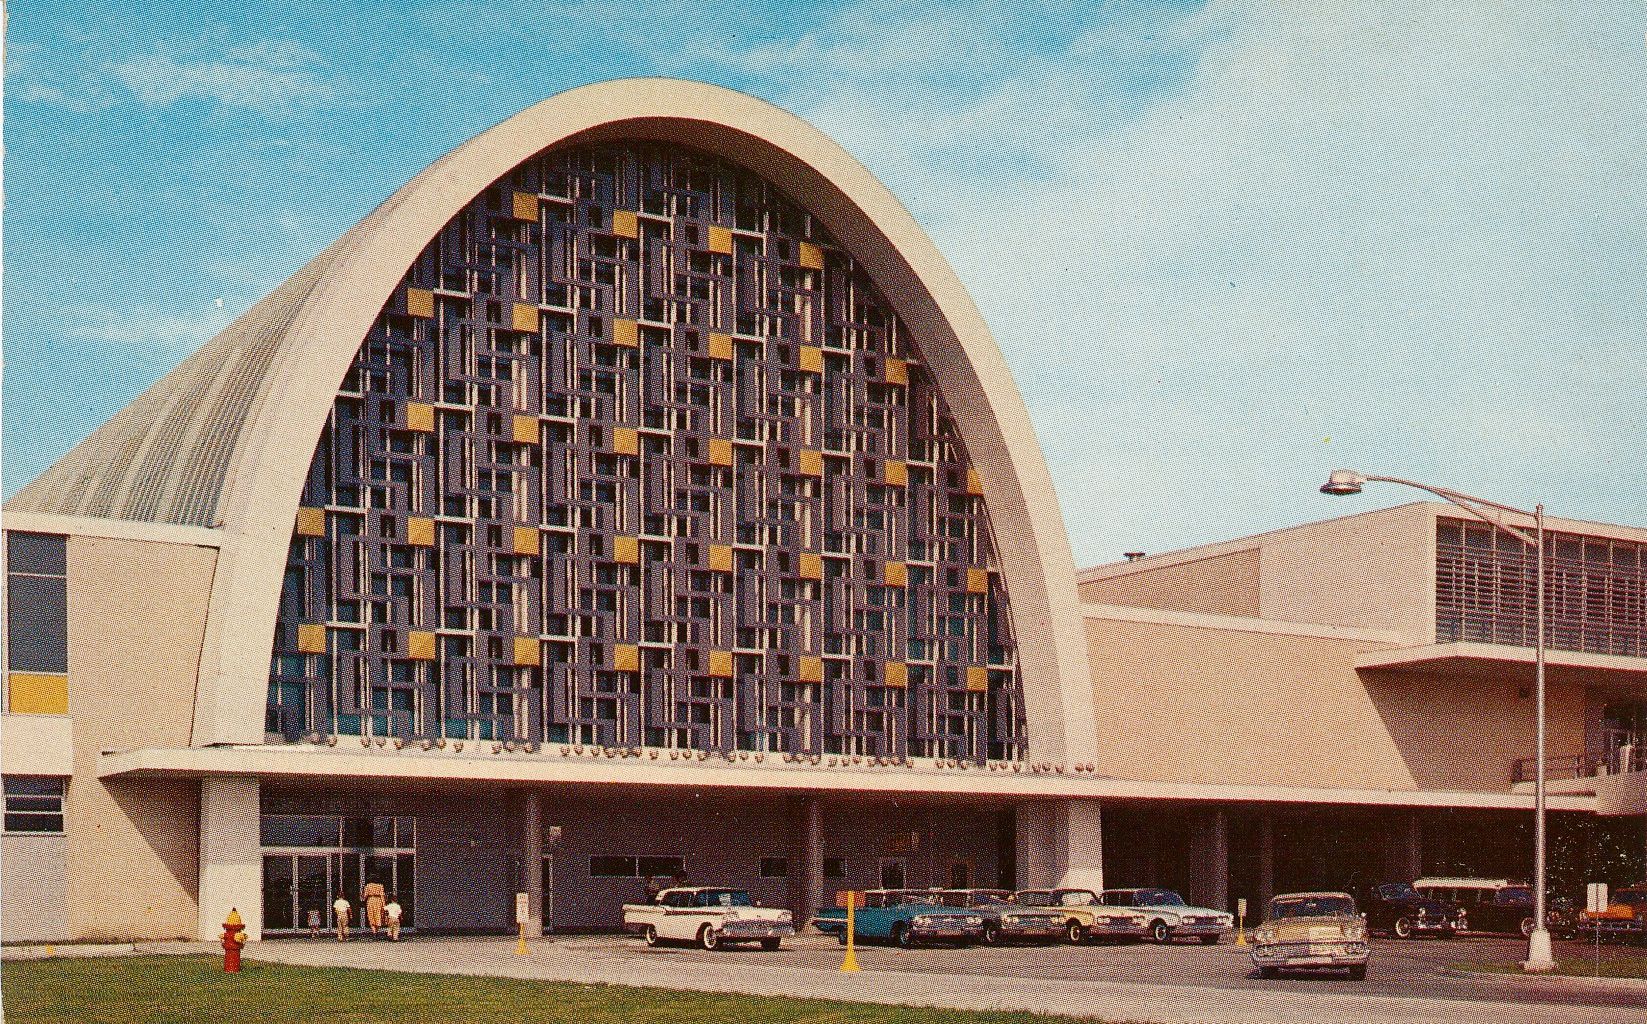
1506,663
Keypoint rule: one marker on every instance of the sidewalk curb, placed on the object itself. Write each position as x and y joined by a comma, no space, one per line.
1576,981
86,950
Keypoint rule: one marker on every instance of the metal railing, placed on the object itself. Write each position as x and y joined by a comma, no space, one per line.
1584,766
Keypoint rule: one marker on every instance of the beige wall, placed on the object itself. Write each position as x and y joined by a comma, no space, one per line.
1180,703
137,612
1225,584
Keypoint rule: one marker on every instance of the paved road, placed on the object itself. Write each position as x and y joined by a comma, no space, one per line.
1133,983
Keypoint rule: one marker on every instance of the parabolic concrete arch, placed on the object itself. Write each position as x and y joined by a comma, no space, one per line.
321,325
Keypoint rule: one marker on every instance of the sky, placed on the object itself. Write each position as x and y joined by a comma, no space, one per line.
1224,246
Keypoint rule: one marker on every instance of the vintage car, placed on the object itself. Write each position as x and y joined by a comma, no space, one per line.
1169,917
1625,917
1399,909
1004,920
1086,917
1486,904
711,916
904,917
1312,931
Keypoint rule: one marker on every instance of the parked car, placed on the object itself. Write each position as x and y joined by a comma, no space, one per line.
1625,917
1004,920
711,916
1086,917
1312,931
1487,904
1170,917
904,917
1402,911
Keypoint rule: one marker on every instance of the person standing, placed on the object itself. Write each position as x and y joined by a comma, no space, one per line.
391,913
654,885
340,910
372,897
312,917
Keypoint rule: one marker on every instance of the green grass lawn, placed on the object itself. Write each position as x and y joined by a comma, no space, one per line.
1612,966
190,989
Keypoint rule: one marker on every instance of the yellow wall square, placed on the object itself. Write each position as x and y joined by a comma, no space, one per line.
420,302
810,669
420,416
625,441
625,658
720,345
526,540
625,224
625,333
895,574
810,256
525,430
896,371
420,531
977,678
37,693
810,359
720,557
311,522
527,650
720,664
720,451
974,483
895,473
809,462
809,566
625,549
977,581
720,240
525,206
311,638
525,318
420,645
895,673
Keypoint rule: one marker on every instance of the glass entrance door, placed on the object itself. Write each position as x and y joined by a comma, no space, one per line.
293,885
279,893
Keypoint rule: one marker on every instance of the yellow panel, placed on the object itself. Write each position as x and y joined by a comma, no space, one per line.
625,549
420,645
526,540
526,206
720,558
895,673
720,345
811,359
625,333
977,678
720,240
895,574
720,451
525,318
897,371
38,693
810,670
810,567
974,483
720,664
420,302
420,416
977,581
625,224
527,650
625,658
526,430
311,638
311,522
625,441
420,531
809,462
895,472
810,256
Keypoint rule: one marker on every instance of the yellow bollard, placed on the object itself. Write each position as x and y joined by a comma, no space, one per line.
1241,922
520,946
851,962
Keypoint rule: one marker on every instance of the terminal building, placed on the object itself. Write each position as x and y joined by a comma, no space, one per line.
637,493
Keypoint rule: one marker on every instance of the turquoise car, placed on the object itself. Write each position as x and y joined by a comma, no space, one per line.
903,917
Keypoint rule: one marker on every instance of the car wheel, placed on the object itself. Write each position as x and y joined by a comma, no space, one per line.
901,937
1209,940
707,938
1160,931
650,934
771,944
1270,973
1403,928
1526,927
992,934
1358,973
840,936
1074,933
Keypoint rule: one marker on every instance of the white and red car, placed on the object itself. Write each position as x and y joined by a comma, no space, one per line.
710,916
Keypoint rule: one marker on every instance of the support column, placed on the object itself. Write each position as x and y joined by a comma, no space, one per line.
808,896
1217,865
231,855
1266,863
1412,851
531,859
1060,843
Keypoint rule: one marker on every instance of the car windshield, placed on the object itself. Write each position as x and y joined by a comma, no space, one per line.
1311,906
1397,891
1515,894
1159,898
1077,897
1035,899
724,898
989,899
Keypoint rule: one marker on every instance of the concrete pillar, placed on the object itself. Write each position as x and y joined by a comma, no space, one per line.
531,859
231,855
1412,848
1060,843
1217,865
809,892
1266,864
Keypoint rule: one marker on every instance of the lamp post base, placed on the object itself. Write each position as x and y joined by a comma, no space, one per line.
1539,959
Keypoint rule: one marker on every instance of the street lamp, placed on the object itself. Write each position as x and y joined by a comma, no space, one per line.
1346,481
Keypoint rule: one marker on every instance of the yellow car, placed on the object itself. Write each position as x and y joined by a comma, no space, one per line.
1085,918
1312,931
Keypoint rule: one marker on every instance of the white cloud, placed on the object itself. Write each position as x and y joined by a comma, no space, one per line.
175,329
268,76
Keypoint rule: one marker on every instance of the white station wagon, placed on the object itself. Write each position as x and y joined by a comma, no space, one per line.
711,916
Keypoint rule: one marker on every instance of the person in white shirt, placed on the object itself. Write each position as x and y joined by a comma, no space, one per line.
391,911
340,908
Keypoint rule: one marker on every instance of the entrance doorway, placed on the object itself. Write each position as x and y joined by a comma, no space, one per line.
294,884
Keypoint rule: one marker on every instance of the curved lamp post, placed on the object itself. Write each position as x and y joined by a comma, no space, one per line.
1346,481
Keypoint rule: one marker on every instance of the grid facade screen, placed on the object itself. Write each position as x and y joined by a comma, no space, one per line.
1486,590
637,455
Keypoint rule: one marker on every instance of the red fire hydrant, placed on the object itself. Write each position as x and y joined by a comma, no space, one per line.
234,937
